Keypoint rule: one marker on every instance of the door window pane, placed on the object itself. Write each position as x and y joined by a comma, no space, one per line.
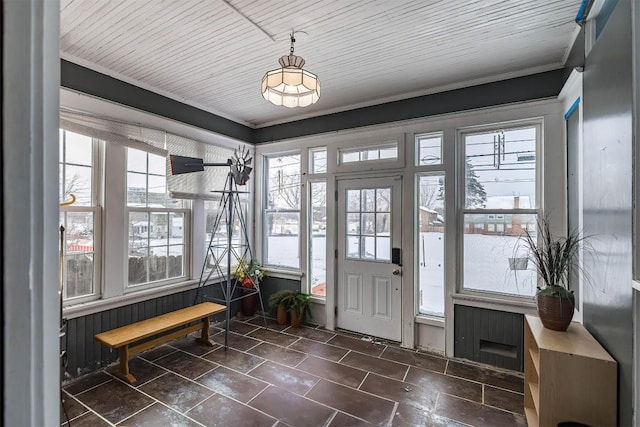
431,244
368,219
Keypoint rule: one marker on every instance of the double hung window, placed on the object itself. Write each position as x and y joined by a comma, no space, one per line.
158,226
499,203
80,218
282,211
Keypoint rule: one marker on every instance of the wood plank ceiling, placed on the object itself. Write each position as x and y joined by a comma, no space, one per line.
207,54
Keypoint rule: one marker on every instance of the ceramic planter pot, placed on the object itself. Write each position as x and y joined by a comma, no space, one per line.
296,321
555,312
249,305
281,315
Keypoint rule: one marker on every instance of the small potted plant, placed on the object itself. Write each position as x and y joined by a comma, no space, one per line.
554,258
248,274
280,302
299,308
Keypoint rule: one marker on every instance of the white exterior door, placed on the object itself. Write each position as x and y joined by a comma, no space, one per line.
369,282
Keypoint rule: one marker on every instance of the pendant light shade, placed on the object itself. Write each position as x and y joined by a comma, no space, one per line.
291,85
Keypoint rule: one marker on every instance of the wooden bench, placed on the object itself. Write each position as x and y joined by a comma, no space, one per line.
121,338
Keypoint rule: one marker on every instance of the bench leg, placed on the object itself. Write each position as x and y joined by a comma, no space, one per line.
204,336
124,366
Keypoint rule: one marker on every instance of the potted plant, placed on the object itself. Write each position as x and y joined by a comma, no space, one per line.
554,258
248,274
280,302
299,308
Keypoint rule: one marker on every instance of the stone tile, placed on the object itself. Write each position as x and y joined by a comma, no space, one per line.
241,328
157,353
234,359
219,410
291,409
375,364
271,323
273,337
87,420
185,364
294,380
239,342
354,402
232,384
333,371
319,349
311,333
278,354
190,345
141,369
86,382
114,400
174,391
72,408
504,399
444,383
476,414
158,415
356,344
410,416
419,360
421,398
343,420
486,375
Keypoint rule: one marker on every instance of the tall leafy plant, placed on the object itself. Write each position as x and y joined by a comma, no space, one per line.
555,258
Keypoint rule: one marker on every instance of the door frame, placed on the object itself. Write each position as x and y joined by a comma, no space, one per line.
406,252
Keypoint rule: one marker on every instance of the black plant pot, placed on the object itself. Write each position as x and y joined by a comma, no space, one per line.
556,312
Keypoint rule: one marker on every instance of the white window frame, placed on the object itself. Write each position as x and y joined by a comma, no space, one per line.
538,123
266,211
186,232
96,209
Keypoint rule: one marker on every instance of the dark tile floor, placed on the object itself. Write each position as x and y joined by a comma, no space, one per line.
281,376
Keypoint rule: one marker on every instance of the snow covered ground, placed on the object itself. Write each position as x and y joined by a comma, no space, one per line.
486,265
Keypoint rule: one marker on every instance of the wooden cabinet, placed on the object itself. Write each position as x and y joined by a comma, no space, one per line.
568,377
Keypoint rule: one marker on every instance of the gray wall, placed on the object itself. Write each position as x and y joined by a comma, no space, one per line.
608,196
85,354
489,336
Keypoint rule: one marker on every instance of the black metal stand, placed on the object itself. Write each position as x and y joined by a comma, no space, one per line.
223,254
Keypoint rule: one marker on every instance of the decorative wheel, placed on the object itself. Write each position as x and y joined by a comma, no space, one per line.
240,168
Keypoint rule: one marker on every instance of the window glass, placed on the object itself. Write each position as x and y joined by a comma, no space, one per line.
431,244
216,241
158,232
318,241
500,169
318,160
385,151
282,211
429,149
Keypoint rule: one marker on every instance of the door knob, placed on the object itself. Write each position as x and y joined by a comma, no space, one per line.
396,272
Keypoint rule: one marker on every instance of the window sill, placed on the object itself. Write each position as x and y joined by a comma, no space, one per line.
97,306
523,305
425,319
283,274
635,284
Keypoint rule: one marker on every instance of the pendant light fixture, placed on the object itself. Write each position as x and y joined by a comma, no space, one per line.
290,85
